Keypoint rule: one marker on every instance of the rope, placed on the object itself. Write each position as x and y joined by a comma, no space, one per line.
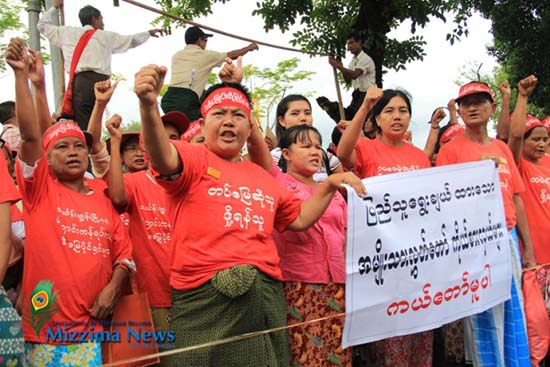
183,20
221,341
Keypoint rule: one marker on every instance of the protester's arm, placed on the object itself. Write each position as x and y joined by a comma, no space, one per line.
503,124
429,148
103,91
313,207
257,147
346,148
528,256
451,105
117,191
242,51
31,137
163,155
106,300
5,237
36,75
515,140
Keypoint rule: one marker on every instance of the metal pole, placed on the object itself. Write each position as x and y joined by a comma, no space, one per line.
57,68
34,10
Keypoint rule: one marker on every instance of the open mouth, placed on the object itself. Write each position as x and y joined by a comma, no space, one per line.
139,161
74,163
228,136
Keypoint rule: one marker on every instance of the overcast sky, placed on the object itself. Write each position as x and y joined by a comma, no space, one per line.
430,82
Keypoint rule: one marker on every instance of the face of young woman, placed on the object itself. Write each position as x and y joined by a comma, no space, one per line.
298,113
535,145
394,119
304,158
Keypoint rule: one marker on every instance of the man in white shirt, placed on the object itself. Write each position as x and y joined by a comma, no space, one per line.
95,63
361,72
191,67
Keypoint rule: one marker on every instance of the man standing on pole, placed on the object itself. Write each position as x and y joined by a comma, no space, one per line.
87,51
361,73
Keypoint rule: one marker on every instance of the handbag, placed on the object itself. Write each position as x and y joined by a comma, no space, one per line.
132,311
538,325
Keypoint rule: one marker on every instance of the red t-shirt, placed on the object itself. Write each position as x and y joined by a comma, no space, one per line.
222,214
462,150
8,191
72,242
374,158
151,236
536,199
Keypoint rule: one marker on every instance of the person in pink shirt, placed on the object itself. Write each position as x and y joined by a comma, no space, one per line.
312,261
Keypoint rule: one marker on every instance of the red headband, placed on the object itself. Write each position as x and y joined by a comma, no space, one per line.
531,122
61,130
192,131
451,132
226,96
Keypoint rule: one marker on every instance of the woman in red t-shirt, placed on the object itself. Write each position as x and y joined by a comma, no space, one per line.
528,140
388,153
77,255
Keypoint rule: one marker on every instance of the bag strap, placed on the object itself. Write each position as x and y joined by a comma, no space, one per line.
67,106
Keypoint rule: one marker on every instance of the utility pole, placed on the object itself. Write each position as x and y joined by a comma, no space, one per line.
34,10
58,73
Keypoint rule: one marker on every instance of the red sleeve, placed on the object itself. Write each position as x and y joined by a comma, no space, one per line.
517,181
8,191
362,156
287,210
34,187
194,162
129,183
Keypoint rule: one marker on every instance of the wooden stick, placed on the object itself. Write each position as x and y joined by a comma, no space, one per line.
175,17
339,94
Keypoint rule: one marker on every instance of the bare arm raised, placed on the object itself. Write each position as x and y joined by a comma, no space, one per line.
31,136
346,148
517,130
163,155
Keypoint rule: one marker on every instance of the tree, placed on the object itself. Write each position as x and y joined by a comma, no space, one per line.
521,29
325,24
9,21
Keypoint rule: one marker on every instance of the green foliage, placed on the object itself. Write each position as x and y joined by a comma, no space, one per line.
268,86
521,29
9,21
325,24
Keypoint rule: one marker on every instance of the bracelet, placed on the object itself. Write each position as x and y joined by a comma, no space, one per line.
435,127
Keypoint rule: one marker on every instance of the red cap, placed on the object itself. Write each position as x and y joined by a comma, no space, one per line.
451,132
475,88
178,119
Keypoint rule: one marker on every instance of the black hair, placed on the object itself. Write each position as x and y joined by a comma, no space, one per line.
528,134
296,134
282,109
386,97
7,111
241,88
87,13
355,35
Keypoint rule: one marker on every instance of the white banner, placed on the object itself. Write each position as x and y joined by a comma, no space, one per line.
424,248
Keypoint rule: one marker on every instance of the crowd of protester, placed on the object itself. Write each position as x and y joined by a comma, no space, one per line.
224,244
